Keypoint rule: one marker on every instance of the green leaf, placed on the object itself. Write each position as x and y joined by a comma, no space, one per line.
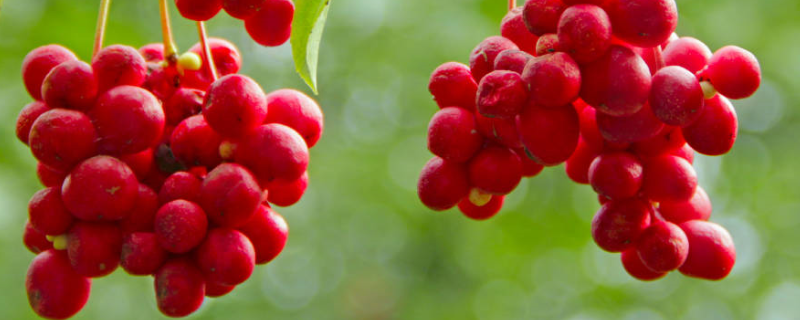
309,21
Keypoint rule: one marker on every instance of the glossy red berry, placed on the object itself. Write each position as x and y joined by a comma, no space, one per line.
141,254
272,25
273,151
452,84
501,94
513,28
618,83
481,60
286,193
629,24
47,213
230,195
241,9
297,111
734,72
577,166
227,60
547,43
711,250
180,185
549,134
554,80
669,178
641,125
118,65
499,130
180,226
676,97
715,131
38,63
195,143
198,10
584,31
268,232
687,52
128,120
616,175
54,289
619,223
179,286
226,257
636,268
35,240
184,103
697,208
152,52
140,218
442,184
541,16
101,188
50,177
663,247
512,60
484,212
234,105
26,117
94,248
495,170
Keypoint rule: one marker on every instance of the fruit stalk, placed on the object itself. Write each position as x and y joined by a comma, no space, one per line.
102,18
658,56
512,4
170,50
201,31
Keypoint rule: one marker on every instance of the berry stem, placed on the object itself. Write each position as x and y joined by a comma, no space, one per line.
659,57
201,30
512,4
170,50
102,18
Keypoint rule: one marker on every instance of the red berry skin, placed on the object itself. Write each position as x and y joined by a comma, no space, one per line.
495,170
230,195
39,62
180,287
141,254
499,130
481,60
241,9
442,184
55,291
141,162
118,65
152,52
70,85
62,138
101,188
697,208
547,43
715,131
163,81
676,97
195,143
128,120
734,72
577,166
549,135
274,151
636,268
226,57
268,232
184,103
669,178
286,193
584,31
512,60
180,226
35,240
26,117
214,290
180,185
298,111
663,247
685,152
226,257
530,168
234,105
618,83
198,10
626,16
616,175
687,52
501,94
272,25
50,177
590,133
669,140
711,250
489,210
94,248
513,28
143,213
619,223
452,84
47,213
554,79
541,16
639,126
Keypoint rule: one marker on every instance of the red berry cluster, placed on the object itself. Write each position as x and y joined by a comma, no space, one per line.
269,22
162,171
607,88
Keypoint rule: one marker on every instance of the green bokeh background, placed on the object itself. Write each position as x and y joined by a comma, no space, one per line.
361,244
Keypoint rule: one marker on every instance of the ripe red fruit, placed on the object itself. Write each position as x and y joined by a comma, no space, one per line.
273,151
734,72
547,43
162,81
484,212
272,25
670,139
584,31
141,254
676,97
180,287
180,226
61,138
286,193
495,170
70,85
629,24
94,248
50,177
711,250
619,223
234,105
687,52
100,188
26,117
195,143
618,83
554,80
38,63
152,52
241,9
230,195
636,268
226,257
452,84
268,232
616,175
577,166
142,163
143,213
180,185
663,247
481,60
55,291
589,130
499,130
639,126
530,168
549,135
685,152
513,28
669,178
128,120
297,111
214,290
501,94
47,213
512,60
118,65
35,240
442,184
696,208
227,60
198,10
184,103
541,16
715,131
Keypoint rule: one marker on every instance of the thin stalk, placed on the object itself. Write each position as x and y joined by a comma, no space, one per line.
170,50
512,4
658,56
99,33
201,31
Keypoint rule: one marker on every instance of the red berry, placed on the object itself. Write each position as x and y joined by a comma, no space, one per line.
639,126
584,31
38,63
669,178
180,287
70,85
286,193
484,212
696,208
50,177
711,250
530,168
481,60
550,134
495,170
513,28
297,111
663,247
619,223
636,268
687,52
55,291
734,72
94,248
442,184
627,16
152,52
142,163
547,43
180,226
272,25
512,60
128,120
268,233
685,152
577,166
62,138
100,188
234,105
26,117
618,83
141,254
715,131
452,84
143,213
501,94
118,65
499,130
47,212
669,140
184,103
35,240
273,151
215,290
541,16
616,175
589,130
198,10
180,185
195,143
241,9
676,97
230,195
226,257
227,60
554,80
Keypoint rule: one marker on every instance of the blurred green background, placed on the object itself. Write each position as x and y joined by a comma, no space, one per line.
361,245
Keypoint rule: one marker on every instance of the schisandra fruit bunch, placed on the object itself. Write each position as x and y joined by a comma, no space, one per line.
607,88
158,168
268,22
